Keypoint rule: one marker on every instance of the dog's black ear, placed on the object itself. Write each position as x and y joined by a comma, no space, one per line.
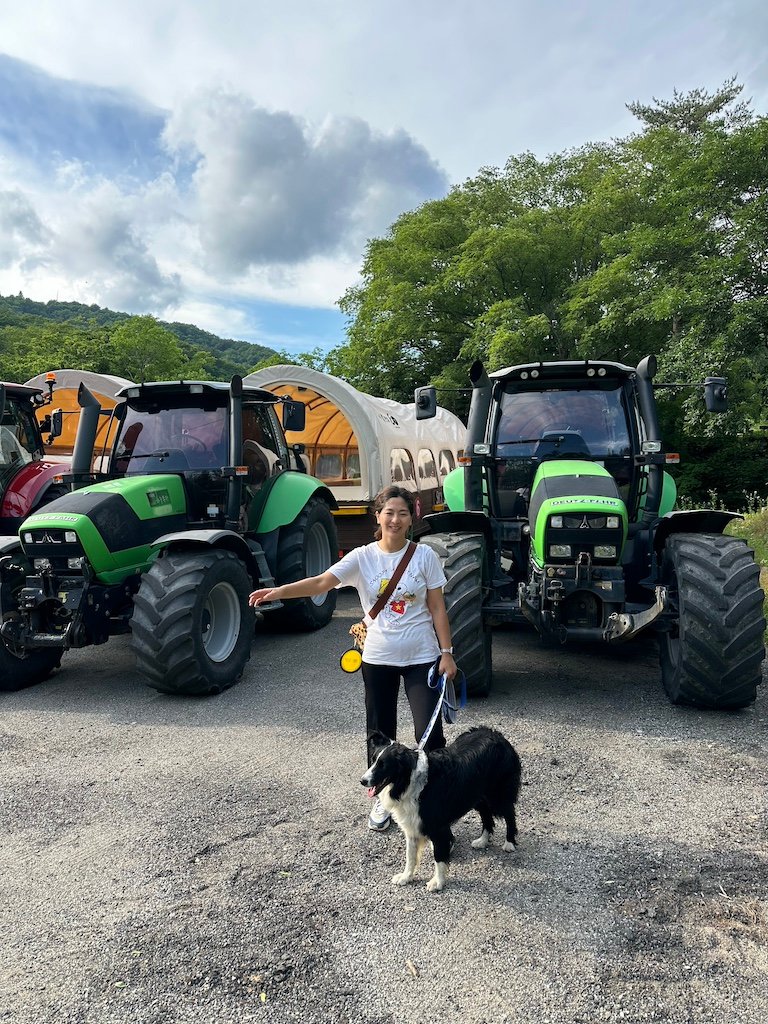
377,739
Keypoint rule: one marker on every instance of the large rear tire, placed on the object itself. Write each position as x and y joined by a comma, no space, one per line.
462,556
712,658
306,547
192,627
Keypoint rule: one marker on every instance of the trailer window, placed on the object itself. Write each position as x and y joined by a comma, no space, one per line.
401,466
446,462
426,463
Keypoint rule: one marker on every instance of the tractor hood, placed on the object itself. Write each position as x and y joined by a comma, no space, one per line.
576,507
110,524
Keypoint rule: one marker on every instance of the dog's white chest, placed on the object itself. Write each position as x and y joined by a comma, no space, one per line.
405,811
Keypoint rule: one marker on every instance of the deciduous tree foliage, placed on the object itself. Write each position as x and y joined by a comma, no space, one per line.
655,243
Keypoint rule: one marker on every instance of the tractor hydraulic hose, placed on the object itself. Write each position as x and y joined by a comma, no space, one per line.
647,402
87,428
476,424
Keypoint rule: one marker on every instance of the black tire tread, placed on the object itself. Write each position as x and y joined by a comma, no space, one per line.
462,556
720,645
303,614
163,638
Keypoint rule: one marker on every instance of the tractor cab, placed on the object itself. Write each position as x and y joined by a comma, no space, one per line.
590,420
206,435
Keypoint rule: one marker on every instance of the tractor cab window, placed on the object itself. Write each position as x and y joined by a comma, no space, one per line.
261,452
17,437
588,423
159,438
527,419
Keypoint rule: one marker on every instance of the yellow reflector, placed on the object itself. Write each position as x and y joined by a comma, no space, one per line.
351,660
350,510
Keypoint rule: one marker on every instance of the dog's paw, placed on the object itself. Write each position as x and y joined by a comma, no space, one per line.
402,879
481,842
509,847
435,884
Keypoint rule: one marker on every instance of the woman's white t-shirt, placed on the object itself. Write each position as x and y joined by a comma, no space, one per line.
402,633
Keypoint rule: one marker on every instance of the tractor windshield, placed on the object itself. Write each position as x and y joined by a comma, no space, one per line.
163,438
596,416
586,423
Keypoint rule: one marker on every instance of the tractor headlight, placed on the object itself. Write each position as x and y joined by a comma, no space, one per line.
556,522
559,550
70,537
27,538
41,563
605,551
75,563
613,522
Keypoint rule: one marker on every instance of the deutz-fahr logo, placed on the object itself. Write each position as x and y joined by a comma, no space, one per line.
590,499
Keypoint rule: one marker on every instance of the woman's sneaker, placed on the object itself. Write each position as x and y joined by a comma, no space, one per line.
378,819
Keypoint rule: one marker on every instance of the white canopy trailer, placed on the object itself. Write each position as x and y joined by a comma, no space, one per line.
103,386
358,443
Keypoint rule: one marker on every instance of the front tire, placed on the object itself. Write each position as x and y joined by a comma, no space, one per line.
192,627
306,547
17,673
712,657
462,556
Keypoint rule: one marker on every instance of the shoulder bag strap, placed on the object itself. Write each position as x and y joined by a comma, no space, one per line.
387,592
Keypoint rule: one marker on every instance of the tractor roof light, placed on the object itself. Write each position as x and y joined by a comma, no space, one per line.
650,447
481,449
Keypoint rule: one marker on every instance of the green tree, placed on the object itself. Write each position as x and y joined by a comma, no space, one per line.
141,349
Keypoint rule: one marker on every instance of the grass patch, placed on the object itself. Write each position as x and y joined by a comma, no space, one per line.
753,528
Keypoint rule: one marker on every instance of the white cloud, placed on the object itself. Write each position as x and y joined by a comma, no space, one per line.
272,189
296,132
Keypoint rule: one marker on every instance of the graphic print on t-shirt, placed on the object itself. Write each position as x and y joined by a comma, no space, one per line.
397,605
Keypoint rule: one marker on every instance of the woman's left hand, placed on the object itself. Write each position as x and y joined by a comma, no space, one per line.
448,666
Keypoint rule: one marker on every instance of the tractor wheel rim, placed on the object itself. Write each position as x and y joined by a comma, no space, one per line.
318,555
221,621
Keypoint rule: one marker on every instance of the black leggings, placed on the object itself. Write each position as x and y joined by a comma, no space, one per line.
382,686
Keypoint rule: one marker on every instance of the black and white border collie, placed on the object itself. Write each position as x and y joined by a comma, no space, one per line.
427,793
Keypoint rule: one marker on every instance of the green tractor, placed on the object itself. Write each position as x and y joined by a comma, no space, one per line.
199,502
563,516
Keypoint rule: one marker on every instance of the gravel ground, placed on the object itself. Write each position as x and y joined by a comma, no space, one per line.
176,861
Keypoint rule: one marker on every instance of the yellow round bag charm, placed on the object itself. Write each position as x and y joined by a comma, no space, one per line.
351,660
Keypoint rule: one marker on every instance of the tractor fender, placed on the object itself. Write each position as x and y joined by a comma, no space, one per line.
226,539
701,520
28,486
288,495
461,522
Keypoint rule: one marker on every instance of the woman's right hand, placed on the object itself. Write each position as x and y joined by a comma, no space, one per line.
260,596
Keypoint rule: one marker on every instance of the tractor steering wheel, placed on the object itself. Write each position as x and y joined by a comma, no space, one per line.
188,441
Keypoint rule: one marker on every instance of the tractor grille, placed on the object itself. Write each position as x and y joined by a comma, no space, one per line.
60,548
583,533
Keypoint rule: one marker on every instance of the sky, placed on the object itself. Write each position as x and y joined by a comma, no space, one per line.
225,163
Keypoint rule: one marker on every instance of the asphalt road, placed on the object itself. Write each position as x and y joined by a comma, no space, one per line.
170,861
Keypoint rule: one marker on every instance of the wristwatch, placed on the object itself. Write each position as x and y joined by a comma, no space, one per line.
446,650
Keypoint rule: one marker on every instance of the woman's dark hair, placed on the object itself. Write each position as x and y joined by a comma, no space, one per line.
384,495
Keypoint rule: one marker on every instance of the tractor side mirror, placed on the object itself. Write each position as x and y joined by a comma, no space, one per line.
57,423
716,394
426,402
294,415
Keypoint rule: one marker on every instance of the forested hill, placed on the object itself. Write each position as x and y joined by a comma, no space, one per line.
39,336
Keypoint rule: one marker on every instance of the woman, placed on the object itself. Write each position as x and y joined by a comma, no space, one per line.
409,634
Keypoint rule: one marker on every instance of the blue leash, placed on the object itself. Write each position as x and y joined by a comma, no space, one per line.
446,701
